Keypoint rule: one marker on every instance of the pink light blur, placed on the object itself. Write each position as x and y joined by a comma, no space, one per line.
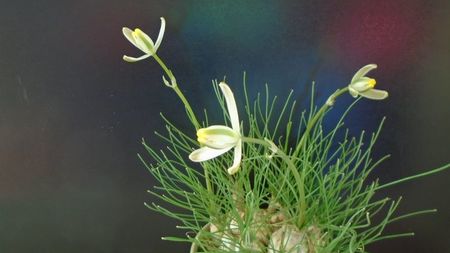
389,33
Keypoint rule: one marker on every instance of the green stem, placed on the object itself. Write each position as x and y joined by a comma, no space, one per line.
188,107
330,101
177,90
298,177
423,174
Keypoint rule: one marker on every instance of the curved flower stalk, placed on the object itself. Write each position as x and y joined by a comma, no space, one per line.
143,42
360,85
364,86
218,139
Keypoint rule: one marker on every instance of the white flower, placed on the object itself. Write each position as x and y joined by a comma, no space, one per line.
364,86
142,41
217,140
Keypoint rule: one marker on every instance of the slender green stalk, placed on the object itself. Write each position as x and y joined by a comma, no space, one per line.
330,101
177,90
174,85
298,176
426,173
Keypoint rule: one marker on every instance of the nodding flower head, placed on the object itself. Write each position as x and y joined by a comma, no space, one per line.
143,42
361,85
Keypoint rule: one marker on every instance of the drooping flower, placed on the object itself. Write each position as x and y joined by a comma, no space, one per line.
364,86
143,42
218,139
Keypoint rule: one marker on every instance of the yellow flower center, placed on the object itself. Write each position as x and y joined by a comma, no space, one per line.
371,83
201,136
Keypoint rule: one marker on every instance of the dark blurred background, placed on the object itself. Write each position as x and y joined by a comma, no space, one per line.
72,113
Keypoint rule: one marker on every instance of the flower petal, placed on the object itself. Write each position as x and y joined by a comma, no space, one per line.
363,71
205,153
375,94
237,159
147,40
143,42
134,59
217,137
128,33
361,84
161,34
231,105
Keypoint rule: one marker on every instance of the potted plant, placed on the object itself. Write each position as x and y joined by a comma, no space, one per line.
266,179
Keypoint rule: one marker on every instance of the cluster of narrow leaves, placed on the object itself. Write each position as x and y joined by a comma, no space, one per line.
339,195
